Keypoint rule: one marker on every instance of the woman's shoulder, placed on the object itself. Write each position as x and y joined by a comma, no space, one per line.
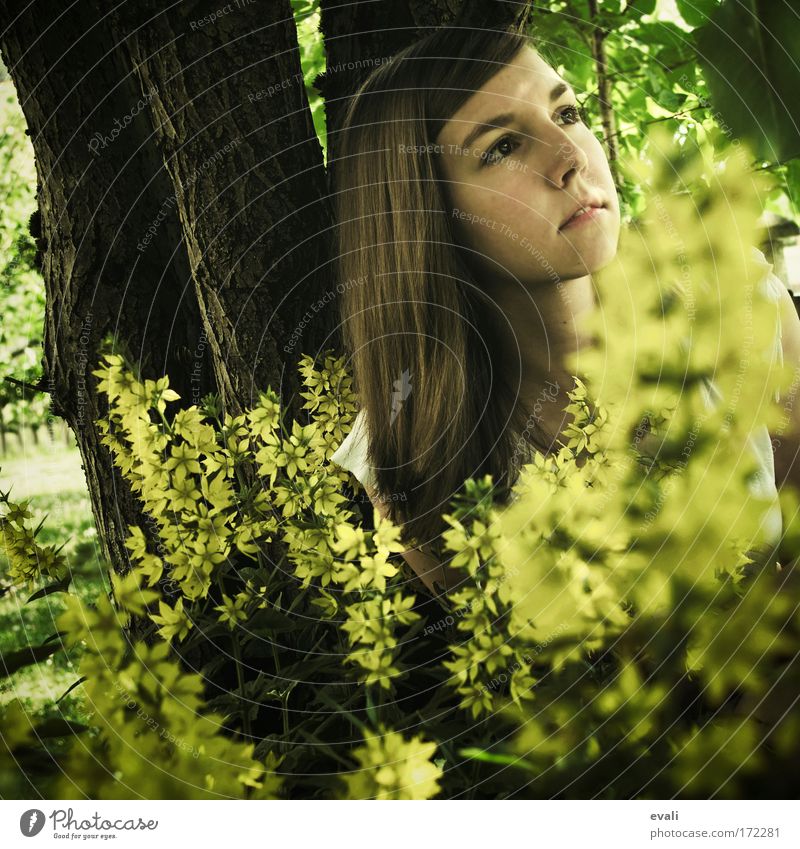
774,290
352,454
771,284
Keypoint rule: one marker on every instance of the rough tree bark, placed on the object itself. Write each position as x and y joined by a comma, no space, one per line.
73,86
166,205
181,207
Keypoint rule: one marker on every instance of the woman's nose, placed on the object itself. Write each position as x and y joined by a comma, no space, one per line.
565,159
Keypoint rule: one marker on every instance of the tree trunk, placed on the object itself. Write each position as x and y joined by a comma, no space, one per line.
183,200
99,189
230,116
151,224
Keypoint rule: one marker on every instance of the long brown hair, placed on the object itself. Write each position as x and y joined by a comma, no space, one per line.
425,359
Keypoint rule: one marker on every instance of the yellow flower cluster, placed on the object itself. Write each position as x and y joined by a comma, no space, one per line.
27,560
154,729
187,474
391,767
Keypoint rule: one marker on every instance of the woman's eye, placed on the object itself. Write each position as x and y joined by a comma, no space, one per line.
573,114
495,153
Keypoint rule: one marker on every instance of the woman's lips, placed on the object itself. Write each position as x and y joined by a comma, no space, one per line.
588,214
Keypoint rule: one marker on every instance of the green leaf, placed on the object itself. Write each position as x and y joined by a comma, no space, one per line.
638,8
271,620
29,656
59,727
489,757
747,51
696,12
53,636
71,688
58,587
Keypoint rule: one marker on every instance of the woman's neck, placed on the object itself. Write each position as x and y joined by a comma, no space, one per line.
543,327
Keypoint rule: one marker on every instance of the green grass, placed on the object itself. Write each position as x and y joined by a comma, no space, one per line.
52,478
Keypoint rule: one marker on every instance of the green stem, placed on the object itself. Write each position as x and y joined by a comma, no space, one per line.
340,709
285,697
237,654
372,712
237,657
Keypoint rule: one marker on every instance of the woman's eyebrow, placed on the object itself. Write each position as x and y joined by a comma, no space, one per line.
506,118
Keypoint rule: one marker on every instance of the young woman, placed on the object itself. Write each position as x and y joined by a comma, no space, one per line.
476,204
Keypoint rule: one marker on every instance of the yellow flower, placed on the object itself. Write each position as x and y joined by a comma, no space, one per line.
208,554
184,457
476,698
377,663
387,536
217,491
232,610
183,492
375,570
136,542
350,542
269,458
265,417
158,393
391,767
151,567
18,512
174,622
211,526
367,623
129,595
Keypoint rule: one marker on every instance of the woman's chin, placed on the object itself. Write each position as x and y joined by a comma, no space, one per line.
593,262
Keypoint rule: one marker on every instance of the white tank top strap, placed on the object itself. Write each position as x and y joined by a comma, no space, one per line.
352,453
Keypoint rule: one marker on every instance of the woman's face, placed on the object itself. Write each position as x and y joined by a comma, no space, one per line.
512,186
